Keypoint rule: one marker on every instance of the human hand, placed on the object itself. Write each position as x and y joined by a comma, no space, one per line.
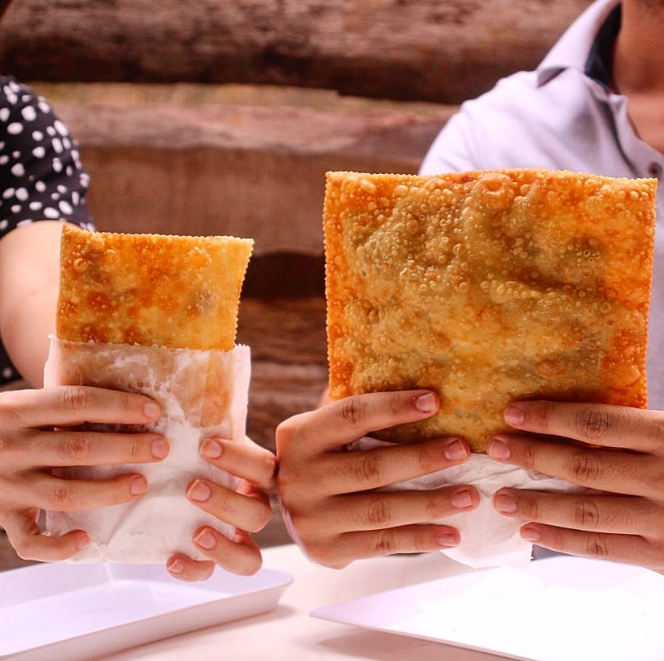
623,523
329,493
38,433
248,509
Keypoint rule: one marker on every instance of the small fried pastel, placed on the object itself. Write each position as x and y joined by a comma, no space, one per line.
149,289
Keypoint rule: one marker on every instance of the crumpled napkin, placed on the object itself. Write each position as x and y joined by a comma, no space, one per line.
488,538
202,394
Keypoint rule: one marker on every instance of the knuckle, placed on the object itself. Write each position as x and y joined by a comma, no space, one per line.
436,507
528,456
287,432
369,468
384,543
529,508
429,457
594,423
75,398
6,447
138,448
268,463
353,410
302,525
76,448
378,513
586,515
540,414
61,497
585,467
597,547
23,549
322,553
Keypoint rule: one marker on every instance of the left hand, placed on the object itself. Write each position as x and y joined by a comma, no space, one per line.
624,523
248,509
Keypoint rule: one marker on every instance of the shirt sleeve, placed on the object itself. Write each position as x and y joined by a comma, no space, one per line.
454,149
41,176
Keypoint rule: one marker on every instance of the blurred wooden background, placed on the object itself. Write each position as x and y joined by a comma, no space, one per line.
219,117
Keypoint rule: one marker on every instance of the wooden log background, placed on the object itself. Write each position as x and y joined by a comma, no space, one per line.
443,51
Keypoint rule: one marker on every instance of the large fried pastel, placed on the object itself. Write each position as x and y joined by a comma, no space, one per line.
488,287
148,289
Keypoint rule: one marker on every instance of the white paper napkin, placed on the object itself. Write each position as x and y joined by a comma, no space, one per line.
488,539
162,521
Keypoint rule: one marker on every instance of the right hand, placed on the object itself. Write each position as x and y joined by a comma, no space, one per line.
38,432
329,494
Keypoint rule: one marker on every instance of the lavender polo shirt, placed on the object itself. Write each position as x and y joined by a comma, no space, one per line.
558,117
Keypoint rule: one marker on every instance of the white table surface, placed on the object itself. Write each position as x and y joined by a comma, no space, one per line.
288,633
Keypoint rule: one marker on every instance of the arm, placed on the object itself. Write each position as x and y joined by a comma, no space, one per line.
29,271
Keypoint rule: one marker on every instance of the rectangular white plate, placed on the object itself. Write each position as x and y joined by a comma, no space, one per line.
72,612
558,609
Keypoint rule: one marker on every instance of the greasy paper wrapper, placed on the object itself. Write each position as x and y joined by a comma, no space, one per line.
202,394
488,539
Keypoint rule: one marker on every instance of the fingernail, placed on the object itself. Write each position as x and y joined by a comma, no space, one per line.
498,449
455,451
530,534
447,540
159,449
462,499
513,415
206,539
138,486
82,542
505,503
211,449
152,410
199,491
426,403
176,567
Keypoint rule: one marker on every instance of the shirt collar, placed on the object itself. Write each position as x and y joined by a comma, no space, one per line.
573,48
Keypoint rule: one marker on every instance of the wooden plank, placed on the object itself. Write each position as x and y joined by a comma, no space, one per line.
245,170
437,50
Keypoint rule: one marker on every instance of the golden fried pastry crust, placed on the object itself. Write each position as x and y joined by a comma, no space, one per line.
148,289
488,287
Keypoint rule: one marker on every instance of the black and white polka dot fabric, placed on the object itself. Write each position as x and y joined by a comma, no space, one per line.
41,177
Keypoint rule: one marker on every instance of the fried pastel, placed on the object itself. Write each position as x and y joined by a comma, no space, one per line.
488,287
149,289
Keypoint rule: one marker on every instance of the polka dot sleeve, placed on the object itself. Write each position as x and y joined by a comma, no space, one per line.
41,176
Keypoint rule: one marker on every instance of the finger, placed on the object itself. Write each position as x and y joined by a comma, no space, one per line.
239,556
589,512
65,406
248,461
31,544
606,470
339,423
630,549
349,472
184,568
391,509
85,448
598,424
66,495
406,539
250,513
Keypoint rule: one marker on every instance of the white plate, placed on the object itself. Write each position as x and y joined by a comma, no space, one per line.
559,609
71,612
